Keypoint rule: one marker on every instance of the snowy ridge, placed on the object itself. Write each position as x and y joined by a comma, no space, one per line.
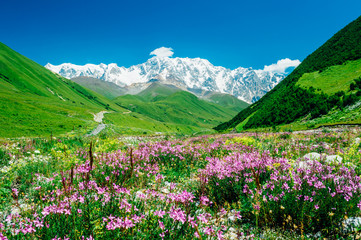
187,73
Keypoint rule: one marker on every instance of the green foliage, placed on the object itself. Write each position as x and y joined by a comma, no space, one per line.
4,157
356,84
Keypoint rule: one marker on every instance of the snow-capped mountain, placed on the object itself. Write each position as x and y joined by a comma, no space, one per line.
191,74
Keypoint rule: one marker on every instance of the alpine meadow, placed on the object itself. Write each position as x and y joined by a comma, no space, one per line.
105,134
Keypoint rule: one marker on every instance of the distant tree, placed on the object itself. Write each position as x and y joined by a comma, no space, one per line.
349,99
353,86
340,93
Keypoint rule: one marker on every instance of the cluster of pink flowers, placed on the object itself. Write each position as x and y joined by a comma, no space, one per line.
126,192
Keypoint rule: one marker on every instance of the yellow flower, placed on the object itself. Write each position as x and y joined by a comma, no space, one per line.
277,164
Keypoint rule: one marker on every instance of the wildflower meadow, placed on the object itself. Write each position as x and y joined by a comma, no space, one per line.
238,186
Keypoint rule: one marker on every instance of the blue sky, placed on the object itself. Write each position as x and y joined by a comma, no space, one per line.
227,33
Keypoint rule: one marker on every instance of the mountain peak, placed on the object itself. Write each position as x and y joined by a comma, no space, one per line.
186,73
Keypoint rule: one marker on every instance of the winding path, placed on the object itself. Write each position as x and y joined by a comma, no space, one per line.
99,119
99,116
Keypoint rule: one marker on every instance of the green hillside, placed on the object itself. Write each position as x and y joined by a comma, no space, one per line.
333,79
171,105
34,101
157,91
107,89
319,86
227,101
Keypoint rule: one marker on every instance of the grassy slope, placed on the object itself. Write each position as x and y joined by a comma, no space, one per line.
132,123
172,106
287,102
34,101
157,91
334,79
107,89
228,101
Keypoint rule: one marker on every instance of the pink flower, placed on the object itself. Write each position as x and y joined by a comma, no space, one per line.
192,222
15,191
162,235
223,211
204,217
220,235
159,213
128,223
237,214
2,237
161,225
177,215
317,207
159,177
208,230
204,200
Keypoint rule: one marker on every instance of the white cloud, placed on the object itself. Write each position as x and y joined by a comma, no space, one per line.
162,52
282,65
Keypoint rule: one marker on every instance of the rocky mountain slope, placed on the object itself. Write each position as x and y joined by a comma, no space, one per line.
190,74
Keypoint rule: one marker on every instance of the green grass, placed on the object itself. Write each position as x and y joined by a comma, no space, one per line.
240,127
181,108
227,101
333,79
36,102
138,124
25,115
157,91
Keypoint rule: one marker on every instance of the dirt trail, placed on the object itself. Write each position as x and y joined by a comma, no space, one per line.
99,128
98,117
